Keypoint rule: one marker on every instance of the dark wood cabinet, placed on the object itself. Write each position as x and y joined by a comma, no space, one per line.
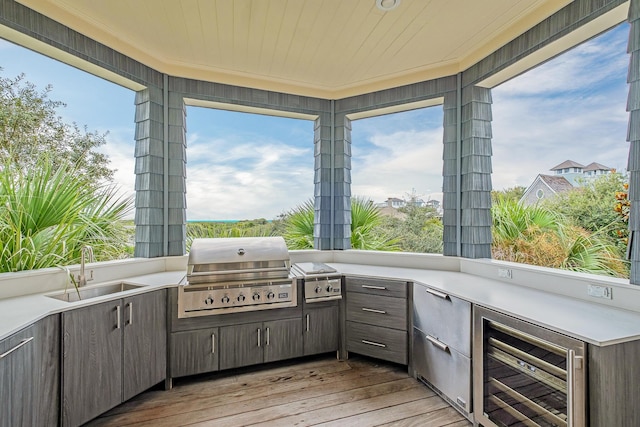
194,352
145,342
282,339
30,375
111,352
254,343
91,361
321,328
241,345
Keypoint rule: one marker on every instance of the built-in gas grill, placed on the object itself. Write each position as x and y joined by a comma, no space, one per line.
229,275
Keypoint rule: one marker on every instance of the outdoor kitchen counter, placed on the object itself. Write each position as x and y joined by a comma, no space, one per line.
590,322
19,312
593,323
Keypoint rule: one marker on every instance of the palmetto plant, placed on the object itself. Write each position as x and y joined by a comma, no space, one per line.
365,222
48,213
538,236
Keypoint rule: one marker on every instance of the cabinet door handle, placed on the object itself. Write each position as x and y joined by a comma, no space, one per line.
442,346
379,288
20,344
377,344
117,317
307,323
437,293
259,338
373,310
267,336
213,343
130,313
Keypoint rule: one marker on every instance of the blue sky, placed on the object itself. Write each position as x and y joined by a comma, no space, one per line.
243,166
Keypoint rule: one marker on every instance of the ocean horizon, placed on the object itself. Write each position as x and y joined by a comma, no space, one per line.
227,220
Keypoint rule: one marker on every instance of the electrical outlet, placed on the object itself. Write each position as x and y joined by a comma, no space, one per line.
600,291
505,273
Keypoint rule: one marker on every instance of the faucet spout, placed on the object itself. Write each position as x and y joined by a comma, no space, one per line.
86,255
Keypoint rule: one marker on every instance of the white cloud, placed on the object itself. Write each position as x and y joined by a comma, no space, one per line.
398,163
246,179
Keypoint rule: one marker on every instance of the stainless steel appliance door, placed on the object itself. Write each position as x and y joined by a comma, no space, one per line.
525,374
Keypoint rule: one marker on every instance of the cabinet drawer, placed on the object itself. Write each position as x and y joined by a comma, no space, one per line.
444,368
388,288
375,341
377,310
443,316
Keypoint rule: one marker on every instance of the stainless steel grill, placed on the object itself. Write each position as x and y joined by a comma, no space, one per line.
229,275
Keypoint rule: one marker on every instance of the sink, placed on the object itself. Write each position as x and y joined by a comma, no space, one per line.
88,292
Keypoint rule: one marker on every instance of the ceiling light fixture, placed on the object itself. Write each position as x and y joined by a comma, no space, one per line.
387,5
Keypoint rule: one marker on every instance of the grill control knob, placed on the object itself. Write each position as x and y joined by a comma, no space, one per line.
271,295
256,296
208,300
318,289
241,298
225,299
329,288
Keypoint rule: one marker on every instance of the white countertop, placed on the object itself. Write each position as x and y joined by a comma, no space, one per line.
590,322
593,323
19,312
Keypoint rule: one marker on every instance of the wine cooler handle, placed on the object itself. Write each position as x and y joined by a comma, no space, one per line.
575,390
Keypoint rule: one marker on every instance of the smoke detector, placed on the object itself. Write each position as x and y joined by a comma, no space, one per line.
387,5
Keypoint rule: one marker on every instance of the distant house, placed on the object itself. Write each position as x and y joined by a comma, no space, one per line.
545,187
394,202
568,175
574,172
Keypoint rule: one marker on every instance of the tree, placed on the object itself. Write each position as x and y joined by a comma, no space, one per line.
512,193
537,235
47,213
365,224
592,205
31,127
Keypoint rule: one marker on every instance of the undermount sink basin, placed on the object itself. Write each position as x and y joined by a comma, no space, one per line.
88,292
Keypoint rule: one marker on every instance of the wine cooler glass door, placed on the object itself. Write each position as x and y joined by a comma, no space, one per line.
530,375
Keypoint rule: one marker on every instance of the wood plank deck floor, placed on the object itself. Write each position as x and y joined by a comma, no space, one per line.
317,391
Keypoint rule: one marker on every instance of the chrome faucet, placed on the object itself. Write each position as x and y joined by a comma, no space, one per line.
85,252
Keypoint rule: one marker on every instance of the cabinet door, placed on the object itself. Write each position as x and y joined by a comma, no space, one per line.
321,330
46,372
91,361
145,342
241,345
16,379
194,352
282,339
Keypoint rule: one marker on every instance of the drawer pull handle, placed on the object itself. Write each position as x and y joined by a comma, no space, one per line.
377,344
437,293
20,344
442,346
373,310
379,288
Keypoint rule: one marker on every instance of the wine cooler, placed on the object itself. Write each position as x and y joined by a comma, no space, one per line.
530,376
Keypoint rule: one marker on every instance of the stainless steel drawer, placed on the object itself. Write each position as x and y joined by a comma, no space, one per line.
444,368
443,316
377,310
375,341
382,287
